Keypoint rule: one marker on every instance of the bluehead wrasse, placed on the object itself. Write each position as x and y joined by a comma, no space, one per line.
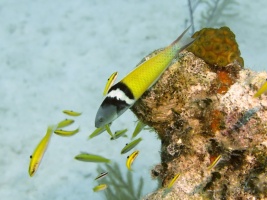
110,82
130,159
100,187
91,158
130,146
72,113
39,151
126,92
102,175
66,133
118,134
215,162
139,127
173,180
261,90
107,126
64,123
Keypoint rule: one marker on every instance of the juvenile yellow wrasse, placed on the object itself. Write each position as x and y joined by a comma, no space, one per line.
125,93
215,162
130,159
91,158
102,175
66,133
39,151
100,187
130,146
97,132
119,134
173,180
139,127
71,113
107,126
64,123
110,82
261,90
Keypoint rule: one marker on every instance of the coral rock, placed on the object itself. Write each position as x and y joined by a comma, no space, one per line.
197,120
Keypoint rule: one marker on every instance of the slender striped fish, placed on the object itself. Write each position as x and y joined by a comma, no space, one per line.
102,175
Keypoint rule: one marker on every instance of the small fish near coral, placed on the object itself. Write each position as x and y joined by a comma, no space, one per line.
110,82
130,146
261,90
130,159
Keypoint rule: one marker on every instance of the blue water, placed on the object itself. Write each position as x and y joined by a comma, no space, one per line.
58,55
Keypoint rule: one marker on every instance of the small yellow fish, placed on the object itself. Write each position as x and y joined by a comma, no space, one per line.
97,132
130,159
130,146
64,123
173,180
71,113
91,158
261,90
108,130
100,187
139,127
119,134
39,151
110,82
66,133
102,175
215,162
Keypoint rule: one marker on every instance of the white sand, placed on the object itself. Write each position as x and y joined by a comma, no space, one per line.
57,55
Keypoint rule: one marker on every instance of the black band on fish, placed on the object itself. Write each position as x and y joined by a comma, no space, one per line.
124,88
120,104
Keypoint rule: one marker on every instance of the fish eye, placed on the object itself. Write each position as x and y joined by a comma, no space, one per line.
127,156
126,144
30,156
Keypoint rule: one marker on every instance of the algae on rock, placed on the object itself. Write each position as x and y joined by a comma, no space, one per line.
200,112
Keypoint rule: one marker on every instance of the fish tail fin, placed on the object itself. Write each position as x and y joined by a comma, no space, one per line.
181,42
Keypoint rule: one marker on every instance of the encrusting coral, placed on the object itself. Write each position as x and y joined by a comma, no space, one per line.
217,47
202,111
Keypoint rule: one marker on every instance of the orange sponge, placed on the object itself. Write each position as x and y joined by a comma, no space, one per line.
216,47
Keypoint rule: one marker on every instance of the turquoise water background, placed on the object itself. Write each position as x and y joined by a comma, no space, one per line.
57,55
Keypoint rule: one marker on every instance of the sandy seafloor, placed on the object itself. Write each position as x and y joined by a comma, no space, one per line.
57,55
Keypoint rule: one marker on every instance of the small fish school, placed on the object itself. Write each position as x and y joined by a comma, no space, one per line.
119,97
